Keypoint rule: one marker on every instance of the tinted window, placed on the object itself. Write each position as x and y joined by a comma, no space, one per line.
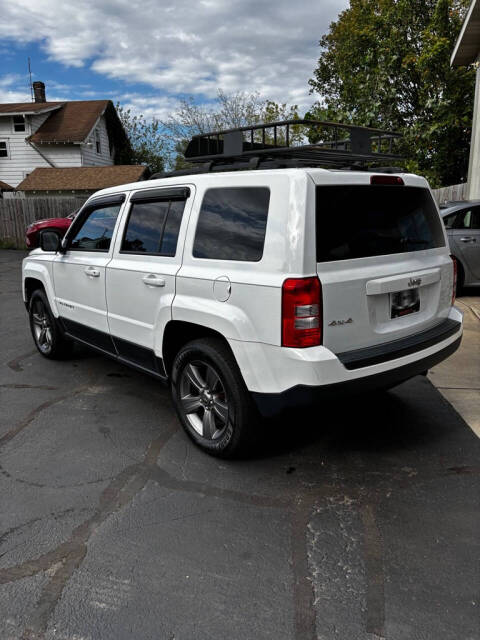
360,221
172,227
153,227
232,223
449,220
462,219
96,232
475,218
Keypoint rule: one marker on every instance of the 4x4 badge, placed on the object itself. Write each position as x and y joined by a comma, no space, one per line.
335,323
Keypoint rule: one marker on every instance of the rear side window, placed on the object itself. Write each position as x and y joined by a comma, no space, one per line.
360,221
232,224
153,227
463,219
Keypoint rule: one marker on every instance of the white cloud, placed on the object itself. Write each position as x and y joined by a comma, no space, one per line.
14,88
151,106
182,46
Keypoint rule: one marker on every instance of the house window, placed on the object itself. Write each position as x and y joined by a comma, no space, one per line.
98,146
3,149
18,123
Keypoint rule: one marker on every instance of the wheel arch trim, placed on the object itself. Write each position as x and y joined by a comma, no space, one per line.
36,271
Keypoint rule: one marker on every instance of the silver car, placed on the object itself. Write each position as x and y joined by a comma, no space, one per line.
462,221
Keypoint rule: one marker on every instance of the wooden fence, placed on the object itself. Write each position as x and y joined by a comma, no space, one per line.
17,213
455,192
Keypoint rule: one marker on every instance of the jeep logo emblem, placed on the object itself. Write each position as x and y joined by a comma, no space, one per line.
414,282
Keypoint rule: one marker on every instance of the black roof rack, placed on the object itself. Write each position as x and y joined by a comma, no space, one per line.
291,143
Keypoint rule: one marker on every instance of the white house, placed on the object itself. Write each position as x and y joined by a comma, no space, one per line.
45,134
467,51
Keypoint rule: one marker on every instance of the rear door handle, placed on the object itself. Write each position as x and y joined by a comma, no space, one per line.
153,281
91,271
468,239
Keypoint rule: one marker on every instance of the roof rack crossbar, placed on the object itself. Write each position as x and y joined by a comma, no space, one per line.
313,139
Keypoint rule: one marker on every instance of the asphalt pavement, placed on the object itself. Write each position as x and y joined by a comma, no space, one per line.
358,520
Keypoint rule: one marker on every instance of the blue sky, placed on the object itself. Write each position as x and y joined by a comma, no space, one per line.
148,54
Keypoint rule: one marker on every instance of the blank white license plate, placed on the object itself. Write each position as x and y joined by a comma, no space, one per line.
402,303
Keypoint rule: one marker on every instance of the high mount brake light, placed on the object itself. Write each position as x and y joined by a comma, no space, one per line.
455,274
301,312
386,180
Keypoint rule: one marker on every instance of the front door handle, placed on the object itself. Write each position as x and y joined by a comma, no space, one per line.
91,271
468,239
153,281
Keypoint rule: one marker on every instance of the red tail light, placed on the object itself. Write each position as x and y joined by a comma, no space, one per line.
455,270
386,179
302,312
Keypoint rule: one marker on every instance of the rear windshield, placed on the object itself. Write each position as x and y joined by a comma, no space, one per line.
360,221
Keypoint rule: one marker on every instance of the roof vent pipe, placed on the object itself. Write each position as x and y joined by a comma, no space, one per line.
39,91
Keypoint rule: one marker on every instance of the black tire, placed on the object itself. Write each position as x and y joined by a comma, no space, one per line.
46,331
226,437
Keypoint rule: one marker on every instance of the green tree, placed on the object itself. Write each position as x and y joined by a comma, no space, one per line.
146,137
229,110
386,63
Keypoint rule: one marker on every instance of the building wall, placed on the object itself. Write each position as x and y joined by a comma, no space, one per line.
23,158
474,163
90,157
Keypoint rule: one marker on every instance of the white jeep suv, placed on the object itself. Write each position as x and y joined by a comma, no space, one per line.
252,291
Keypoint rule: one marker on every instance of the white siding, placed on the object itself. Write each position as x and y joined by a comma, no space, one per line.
90,157
36,120
63,155
23,158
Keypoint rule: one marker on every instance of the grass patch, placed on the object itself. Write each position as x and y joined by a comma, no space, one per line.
10,243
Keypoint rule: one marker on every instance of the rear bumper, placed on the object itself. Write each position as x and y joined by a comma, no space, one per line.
270,404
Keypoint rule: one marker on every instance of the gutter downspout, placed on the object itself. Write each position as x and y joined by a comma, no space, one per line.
35,148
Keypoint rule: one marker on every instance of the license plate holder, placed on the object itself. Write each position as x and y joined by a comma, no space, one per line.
403,303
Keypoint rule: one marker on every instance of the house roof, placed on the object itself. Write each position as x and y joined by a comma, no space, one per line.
81,178
72,123
467,47
17,108
6,187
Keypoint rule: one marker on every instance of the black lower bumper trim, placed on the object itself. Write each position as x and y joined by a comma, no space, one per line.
398,348
270,404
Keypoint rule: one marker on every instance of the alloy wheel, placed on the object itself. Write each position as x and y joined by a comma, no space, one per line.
42,327
203,400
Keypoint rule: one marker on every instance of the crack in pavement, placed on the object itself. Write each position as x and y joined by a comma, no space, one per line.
121,491
375,575
303,587
9,435
43,387
53,514
43,485
70,554
61,562
15,364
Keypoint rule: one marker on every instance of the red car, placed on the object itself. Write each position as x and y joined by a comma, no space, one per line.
35,230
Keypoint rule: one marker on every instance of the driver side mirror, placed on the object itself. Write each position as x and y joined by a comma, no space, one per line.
50,241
